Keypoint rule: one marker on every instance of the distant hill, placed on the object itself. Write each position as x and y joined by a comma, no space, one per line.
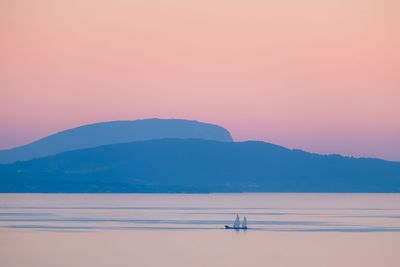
190,165
114,132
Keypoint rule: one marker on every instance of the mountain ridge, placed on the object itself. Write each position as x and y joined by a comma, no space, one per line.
198,166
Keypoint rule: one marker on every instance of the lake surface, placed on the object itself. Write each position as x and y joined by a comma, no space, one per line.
187,230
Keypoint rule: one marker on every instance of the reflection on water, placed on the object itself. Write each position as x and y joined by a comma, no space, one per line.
265,212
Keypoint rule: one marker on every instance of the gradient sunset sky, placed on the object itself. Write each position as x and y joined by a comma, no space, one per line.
322,76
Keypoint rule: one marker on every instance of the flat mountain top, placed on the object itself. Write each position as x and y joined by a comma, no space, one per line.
114,132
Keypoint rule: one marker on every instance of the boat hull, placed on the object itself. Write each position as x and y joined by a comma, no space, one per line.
235,228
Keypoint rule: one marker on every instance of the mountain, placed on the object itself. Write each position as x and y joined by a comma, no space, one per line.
193,165
114,132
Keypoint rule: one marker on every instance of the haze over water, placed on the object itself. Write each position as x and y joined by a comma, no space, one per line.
318,76
187,230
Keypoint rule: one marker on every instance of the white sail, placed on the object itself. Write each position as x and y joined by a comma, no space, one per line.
237,222
244,224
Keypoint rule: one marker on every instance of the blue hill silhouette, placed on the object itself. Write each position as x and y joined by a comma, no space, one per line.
114,132
193,165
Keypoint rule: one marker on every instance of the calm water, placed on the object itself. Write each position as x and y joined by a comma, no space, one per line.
187,230
265,212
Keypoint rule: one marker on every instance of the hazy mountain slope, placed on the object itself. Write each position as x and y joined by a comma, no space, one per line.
174,165
112,133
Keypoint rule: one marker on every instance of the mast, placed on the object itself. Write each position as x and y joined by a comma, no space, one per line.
237,222
244,224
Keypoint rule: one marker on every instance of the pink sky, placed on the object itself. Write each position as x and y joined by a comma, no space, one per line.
323,76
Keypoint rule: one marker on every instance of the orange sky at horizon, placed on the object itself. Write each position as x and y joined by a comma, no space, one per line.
322,76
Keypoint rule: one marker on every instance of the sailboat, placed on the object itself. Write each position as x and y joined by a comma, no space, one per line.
236,224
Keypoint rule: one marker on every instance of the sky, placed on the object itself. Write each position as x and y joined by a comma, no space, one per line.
323,76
